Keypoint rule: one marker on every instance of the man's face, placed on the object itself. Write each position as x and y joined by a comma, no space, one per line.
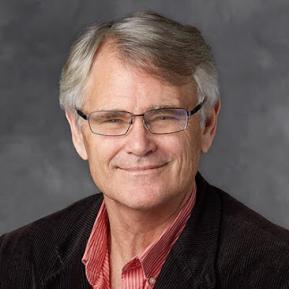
140,170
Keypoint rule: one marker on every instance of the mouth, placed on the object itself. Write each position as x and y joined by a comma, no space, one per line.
142,169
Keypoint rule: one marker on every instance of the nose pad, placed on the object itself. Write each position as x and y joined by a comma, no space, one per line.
145,125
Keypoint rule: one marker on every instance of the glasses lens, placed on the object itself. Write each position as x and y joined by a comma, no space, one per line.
167,120
109,122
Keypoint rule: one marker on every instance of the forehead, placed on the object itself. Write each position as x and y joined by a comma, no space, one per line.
115,84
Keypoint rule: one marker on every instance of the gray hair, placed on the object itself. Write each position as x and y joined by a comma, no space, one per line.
169,50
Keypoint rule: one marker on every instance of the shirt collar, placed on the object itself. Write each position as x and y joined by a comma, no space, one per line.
151,259
97,246
158,251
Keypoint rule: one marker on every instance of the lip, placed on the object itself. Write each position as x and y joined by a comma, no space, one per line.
142,168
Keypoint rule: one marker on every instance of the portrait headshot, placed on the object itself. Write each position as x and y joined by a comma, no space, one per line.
144,145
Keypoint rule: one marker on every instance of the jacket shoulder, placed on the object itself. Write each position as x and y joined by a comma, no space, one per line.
238,219
57,221
251,247
20,248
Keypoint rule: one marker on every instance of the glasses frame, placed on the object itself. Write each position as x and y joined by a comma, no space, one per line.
189,114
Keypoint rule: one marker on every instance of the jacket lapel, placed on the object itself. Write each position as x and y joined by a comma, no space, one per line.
191,262
63,267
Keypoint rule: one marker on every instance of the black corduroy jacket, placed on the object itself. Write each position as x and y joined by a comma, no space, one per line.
224,245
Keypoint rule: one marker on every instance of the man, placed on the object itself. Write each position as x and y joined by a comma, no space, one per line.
142,101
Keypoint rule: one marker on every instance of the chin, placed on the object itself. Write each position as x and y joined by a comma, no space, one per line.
141,198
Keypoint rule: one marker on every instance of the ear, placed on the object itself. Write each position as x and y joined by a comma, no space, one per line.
210,126
77,135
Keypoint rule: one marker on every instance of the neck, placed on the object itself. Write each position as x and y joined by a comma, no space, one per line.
132,231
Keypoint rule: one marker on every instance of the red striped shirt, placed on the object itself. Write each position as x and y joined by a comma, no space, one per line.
142,271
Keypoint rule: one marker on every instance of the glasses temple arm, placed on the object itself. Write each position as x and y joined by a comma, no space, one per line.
197,108
80,113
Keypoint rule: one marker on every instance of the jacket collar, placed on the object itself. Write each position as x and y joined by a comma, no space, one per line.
192,258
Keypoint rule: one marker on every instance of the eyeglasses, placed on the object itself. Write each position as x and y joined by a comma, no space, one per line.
156,121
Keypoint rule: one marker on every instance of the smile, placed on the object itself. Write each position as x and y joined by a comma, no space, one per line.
143,169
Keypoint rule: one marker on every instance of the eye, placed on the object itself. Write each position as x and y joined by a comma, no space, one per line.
113,120
109,118
166,117
162,116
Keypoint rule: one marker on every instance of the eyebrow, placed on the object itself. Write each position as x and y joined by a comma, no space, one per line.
151,107
162,106
111,113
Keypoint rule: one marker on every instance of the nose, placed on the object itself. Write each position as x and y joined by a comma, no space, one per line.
139,141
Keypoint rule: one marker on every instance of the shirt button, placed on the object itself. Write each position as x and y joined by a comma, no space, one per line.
152,281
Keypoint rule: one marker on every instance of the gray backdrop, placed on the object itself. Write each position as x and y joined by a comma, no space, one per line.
40,171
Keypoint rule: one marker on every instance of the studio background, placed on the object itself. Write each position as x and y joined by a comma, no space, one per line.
39,170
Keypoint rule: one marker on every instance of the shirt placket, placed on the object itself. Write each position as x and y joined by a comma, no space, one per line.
132,276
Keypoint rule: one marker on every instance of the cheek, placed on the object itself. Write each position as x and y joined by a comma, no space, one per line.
188,153
100,153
